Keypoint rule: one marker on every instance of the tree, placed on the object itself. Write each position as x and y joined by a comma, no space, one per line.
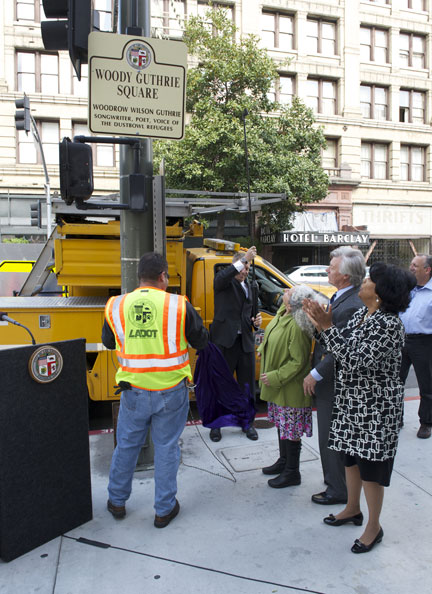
284,146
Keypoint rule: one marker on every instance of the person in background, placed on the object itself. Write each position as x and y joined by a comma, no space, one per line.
233,325
417,320
345,272
150,330
369,394
285,360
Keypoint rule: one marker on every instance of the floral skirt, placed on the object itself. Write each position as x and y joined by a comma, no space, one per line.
291,422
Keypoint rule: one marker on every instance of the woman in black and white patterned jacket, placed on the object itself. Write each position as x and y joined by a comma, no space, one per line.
369,394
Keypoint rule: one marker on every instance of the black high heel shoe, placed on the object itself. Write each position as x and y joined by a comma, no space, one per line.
332,521
359,547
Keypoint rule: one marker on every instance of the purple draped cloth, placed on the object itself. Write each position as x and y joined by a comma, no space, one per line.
220,399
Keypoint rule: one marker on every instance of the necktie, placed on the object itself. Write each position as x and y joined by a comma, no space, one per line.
332,298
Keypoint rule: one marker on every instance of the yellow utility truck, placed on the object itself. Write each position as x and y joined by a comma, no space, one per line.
87,268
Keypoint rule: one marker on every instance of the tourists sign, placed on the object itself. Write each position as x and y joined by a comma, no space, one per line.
137,86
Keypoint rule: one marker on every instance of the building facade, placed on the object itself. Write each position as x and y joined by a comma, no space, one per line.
364,67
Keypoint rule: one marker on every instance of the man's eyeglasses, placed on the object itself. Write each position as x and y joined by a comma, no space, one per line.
165,273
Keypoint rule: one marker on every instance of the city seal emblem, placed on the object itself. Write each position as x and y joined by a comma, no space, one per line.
45,364
139,56
142,314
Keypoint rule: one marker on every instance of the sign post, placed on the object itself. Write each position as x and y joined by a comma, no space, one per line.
137,88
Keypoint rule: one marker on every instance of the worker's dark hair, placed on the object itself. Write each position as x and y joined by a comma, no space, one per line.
150,266
392,285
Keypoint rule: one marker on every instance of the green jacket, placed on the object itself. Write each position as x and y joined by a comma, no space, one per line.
285,358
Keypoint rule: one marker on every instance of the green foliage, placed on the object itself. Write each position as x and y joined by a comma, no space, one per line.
15,240
193,218
284,146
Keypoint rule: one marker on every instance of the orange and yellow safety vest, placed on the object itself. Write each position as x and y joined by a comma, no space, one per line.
149,329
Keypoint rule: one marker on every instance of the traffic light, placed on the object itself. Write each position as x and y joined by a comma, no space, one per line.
76,171
22,115
36,214
140,191
70,31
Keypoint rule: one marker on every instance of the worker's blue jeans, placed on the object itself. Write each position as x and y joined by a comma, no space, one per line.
166,413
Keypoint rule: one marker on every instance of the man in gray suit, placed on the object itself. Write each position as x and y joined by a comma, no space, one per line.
345,272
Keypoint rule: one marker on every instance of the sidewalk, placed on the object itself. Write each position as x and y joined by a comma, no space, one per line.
235,535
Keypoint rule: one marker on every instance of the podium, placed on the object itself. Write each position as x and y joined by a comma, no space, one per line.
45,487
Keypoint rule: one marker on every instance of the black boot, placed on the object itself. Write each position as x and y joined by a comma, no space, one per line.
290,475
279,465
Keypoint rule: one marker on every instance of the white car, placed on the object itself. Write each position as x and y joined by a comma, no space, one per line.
313,274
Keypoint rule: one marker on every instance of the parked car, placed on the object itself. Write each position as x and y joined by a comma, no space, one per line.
308,274
314,275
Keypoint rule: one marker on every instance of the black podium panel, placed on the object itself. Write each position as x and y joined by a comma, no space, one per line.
45,487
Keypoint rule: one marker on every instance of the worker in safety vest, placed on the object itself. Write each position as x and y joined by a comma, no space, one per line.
150,330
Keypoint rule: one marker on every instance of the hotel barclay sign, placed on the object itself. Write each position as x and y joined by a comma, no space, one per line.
312,237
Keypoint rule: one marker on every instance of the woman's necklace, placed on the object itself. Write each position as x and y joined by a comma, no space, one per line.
368,315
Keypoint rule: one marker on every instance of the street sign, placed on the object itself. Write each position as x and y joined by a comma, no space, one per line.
137,86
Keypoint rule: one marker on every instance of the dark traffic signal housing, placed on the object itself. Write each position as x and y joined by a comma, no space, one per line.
76,176
22,115
70,31
76,171
36,214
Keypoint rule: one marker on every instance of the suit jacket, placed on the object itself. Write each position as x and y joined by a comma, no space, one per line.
342,309
232,311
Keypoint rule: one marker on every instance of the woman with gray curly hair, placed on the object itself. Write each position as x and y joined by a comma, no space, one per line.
285,361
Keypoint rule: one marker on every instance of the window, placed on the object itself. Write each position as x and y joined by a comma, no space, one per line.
29,10
203,7
37,73
374,102
105,10
277,31
374,160
412,106
80,87
321,96
103,154
168,16
374,45
330,154
270,290
282,90
412,50
29,153
412,163
321,37
415,4
286,90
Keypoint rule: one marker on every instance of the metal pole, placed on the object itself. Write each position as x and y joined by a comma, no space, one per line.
251,221
136,229
48,208
47,179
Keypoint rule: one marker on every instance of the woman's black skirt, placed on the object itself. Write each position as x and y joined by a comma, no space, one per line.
376,472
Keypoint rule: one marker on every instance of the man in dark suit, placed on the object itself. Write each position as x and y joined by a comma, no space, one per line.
233,324
345,272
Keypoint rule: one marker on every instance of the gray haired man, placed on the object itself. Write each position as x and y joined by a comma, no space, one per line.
345,272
